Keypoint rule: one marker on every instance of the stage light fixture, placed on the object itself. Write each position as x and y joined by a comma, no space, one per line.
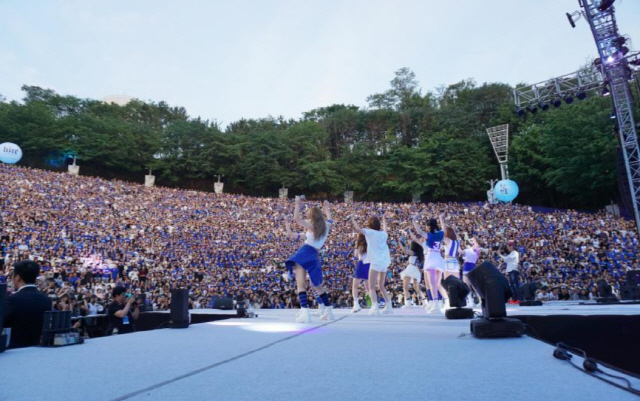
613,115
532,108
571,21
605,90
520,111
605,4
581,95
457,291
568,98
544,106
610,60
493,289
556,103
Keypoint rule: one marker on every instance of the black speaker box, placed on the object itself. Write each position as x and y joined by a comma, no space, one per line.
530,303
3,305
222,303
179,309
630,293
497,328
459,313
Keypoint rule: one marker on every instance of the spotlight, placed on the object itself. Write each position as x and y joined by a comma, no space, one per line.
605,90
605,4
493,289
520,111
571,21
544,106
528,295
556,103
457,291
568,98
581,95
610,60
613,115
532,108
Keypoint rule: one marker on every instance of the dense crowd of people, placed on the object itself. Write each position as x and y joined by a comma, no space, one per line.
90,235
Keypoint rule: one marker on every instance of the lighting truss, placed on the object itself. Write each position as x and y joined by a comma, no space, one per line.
499,137
614,68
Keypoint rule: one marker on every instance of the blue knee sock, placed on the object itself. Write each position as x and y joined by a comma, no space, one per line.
325,299
302,297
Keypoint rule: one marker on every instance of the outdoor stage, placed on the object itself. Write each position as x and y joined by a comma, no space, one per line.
405,356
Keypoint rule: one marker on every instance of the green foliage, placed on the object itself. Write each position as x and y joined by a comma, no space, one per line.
406,142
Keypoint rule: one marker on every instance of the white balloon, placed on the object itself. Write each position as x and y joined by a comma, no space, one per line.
10,153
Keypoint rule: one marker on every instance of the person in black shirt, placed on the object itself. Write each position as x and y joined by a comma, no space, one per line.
123,314
26,307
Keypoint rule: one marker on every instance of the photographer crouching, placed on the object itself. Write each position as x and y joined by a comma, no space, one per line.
123,312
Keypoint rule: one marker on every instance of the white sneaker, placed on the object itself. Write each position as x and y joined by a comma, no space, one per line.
427,304
388,309
303,316
356,308
432,307
442,306
374,311
319,311
406,305
328,314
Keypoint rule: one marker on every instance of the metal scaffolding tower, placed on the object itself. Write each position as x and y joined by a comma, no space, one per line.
618,73
499,137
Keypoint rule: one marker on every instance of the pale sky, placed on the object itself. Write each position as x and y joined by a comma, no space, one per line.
225,60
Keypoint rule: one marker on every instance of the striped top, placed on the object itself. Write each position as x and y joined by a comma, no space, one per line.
451,249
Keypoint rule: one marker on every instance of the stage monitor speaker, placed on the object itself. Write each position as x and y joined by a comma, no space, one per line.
459,313
222,303
630,293
179,309
497,328
3,305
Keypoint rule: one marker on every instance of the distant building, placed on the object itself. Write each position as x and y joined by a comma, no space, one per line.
120,100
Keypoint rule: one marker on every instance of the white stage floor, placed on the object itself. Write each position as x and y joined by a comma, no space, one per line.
404,356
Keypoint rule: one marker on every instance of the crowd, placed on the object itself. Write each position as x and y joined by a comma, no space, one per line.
90,235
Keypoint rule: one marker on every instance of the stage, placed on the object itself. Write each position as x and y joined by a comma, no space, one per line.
407,355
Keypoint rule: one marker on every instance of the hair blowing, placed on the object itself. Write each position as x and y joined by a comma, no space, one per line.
318,222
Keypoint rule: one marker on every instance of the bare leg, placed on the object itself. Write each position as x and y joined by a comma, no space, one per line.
405,288
373,280
381,278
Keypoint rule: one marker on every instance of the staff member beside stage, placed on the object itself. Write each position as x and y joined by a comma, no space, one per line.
122,312
512,260
26,308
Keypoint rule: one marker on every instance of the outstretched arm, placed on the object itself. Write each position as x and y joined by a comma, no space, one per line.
355,224
414,237
384,220
441,218
298,219
326,207
291,235
417,228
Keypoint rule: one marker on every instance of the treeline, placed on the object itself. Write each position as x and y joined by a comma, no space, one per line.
404,142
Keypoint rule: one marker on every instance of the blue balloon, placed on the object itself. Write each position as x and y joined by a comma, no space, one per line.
505,190
10,153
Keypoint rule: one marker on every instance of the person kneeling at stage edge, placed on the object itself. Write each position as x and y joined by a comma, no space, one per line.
307,259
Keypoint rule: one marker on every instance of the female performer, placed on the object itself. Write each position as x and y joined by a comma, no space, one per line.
307,259
379,259
361,275
451,253
412,273
433,262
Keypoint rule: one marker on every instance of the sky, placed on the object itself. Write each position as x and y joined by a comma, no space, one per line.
227,60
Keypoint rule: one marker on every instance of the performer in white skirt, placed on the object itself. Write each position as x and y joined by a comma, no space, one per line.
412,274
379,259
451,253
307,259
433,262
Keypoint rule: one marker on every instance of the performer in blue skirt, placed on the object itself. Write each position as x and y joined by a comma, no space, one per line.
362,271
307,259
